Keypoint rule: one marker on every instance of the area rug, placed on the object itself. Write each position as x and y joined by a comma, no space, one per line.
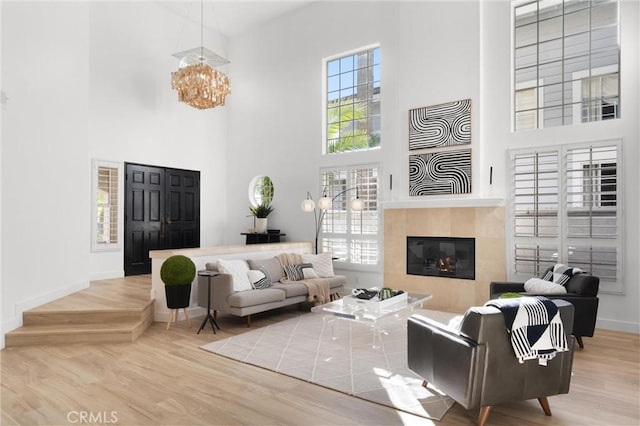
305,348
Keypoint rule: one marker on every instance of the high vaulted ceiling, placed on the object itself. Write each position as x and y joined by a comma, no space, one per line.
233,17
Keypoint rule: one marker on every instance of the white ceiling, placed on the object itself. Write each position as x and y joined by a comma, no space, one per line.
233,17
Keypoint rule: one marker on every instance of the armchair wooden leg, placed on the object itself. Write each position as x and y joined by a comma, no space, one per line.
248,321
484,415
544,403
425,383
579,339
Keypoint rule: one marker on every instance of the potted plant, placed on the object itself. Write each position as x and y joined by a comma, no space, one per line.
261,211
177,272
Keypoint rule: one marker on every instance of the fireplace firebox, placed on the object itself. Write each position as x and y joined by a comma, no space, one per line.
442,257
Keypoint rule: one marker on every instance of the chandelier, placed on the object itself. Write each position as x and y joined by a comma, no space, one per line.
197,82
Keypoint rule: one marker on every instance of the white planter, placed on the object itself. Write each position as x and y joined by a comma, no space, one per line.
261,225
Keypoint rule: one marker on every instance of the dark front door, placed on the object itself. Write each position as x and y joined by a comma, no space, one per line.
162,211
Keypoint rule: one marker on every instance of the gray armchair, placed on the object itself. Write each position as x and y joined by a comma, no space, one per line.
477,367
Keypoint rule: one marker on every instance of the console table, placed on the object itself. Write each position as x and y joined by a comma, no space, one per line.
255,238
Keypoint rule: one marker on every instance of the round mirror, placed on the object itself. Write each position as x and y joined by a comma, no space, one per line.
261,190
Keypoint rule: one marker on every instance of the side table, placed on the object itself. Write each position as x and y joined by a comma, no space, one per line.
208,318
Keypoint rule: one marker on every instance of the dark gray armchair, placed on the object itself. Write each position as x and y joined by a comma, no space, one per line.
582,292
477,367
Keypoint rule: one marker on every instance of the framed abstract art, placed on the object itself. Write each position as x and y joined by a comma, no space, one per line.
440,125
444,172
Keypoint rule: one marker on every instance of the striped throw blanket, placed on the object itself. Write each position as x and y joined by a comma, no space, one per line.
535,326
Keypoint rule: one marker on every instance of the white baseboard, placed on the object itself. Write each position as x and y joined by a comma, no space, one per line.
16,321
615,325
106,275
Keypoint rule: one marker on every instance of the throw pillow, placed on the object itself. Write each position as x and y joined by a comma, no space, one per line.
294,272
307,271
540,286
271,267
560,274
238,269
259,280
322,264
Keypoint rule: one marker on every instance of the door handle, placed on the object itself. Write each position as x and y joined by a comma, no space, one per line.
166,220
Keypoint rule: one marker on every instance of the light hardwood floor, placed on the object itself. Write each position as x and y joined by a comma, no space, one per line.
163,378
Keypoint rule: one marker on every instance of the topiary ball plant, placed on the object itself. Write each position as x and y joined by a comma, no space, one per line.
177,270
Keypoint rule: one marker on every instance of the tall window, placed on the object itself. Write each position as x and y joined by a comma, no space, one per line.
106,205
565,209
352,104
567,62
353,237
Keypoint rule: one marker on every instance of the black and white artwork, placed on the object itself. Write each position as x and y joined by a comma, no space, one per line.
446,172
440,125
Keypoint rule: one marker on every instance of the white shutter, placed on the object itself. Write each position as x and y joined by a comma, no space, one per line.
567,211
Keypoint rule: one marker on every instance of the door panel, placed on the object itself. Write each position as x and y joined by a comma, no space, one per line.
162,211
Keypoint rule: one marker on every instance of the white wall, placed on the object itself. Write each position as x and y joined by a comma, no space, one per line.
134,113
45,172
432,52
91,80
275,113
615,311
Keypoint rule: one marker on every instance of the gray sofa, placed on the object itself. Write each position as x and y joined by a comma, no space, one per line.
245,303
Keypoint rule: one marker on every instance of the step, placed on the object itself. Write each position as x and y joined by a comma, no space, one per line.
82,316
116,332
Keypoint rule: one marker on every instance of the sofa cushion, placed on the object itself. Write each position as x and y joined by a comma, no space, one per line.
292,289
337,281
322,263
238,269
272,267
242,299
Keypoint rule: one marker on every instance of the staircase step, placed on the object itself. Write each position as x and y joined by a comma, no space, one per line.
123,331
112,310
84,316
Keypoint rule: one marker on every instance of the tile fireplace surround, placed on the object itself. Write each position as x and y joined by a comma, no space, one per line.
485,224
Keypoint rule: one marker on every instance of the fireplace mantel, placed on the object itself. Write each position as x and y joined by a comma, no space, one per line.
426,203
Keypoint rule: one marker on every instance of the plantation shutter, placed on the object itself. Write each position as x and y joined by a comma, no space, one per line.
535,211
564,208
592,209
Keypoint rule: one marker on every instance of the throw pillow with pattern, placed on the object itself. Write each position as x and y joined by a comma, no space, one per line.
560,274
294,272
259,279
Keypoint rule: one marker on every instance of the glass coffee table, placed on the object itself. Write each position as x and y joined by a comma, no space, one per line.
368,312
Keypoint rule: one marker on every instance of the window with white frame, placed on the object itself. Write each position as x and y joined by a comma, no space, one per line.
106,205
352,102
352,237
565,208
566,62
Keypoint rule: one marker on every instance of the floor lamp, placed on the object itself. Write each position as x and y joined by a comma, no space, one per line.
325,203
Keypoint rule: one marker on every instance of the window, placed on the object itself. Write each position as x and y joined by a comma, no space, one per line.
353,237
565,209
106,206
566,62
352,104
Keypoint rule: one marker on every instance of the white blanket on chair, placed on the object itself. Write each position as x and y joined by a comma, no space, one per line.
535,326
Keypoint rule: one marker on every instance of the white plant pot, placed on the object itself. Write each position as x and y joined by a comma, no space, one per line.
261,225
